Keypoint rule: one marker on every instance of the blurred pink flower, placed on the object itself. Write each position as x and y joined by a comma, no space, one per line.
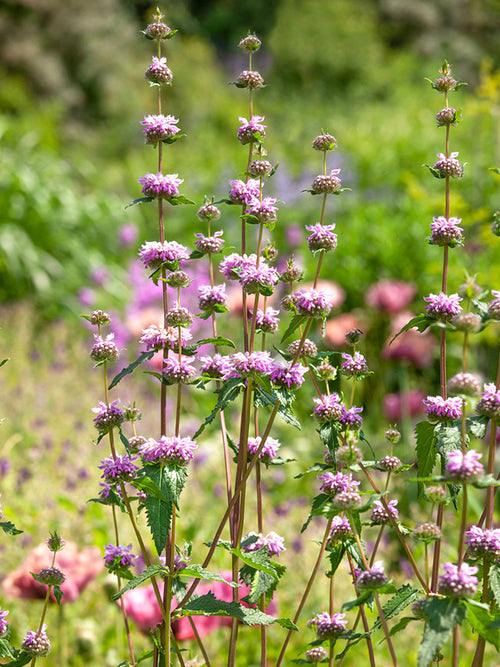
333,291
142,608
390,296
128,234
337,327
405,404
79,568
411,345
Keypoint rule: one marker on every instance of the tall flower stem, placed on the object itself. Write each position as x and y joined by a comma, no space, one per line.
306,592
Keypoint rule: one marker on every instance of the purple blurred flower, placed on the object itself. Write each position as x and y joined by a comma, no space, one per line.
494,306
314,303
442,306
127,234
464,467
168,450
99,275
396,406
390,296
3,623
160,186
458,583
87,297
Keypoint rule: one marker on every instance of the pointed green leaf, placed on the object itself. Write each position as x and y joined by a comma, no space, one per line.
22,658
146,574
199,572
4,361
297,321
362,599
144,356
404,597
443,615
9,528
229,391
179,199
401,624
494,581
170,481
480,619
335,555
6,650
426,449
140,200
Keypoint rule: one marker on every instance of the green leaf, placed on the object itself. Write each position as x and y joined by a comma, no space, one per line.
443,615
58,594
494,581
401,624
228,392
209,605
321,506
179,199
261,582
426,450
256,559
362,599
141,200
22,658
148,653
495,170
4,361
199,572
420,322
481,619
335,555
144,356
170,481
9,528
146,574
403,598
6,650
297,321
263,398
476,426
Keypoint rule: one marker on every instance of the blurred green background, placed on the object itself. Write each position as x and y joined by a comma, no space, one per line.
73,94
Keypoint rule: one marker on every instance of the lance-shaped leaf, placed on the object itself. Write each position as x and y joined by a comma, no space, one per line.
9,528
199,572
321,507
144,356
146,574
209,605
229,391
170,481
426,450
22,658
140,200
6,650
443,615
404,597
297,321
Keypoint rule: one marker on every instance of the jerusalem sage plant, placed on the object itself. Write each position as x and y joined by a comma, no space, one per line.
143,476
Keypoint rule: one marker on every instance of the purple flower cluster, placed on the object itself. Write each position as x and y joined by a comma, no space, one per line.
269,450
439,409
351,420
156,338
313,303
251,130
159,72
458,582
209,298
494,306
341,530
178,371
274,543
464,468
380,515
210,245
244,193
167,450
159,186
328,408
288,377
154,253
215,367
254,279
334,483
328,627
353,364
104,349
233,264
443,307
446,232
489,403
159,128
118,469
248,364
327,183
483,543
321,238
36,644
265,211
108,416
372,578
118,557
267,322
449,166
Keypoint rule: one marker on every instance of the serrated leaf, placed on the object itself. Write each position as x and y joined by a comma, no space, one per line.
443,615
9,528
426,450
144,356
481,619
199,572
494,581
140,200
146,574
296,322
256,559
485,481
335,555
170,481
209,605
403,598
263,398
316,467
321,506
215,340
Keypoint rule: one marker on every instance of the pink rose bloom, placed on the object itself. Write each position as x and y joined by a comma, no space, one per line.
409,403
390,296
79,568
